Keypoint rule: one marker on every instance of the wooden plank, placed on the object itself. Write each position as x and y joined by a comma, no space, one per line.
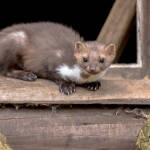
69,129
129,72
44,91
118,24
144,36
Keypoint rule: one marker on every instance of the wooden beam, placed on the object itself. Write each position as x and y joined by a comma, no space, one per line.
118,24
143,20
83,128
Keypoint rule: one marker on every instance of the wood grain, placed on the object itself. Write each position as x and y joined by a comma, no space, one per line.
69,129
43,91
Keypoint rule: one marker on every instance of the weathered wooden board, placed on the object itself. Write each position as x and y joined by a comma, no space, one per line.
44,91
69,129
144,36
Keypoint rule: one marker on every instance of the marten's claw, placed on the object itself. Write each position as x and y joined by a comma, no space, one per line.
30,76
93,86
67,88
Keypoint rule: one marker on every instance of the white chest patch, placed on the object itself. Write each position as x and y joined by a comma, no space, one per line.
74,74
68,73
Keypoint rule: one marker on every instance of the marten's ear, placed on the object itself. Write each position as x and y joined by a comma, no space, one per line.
111,50
79,47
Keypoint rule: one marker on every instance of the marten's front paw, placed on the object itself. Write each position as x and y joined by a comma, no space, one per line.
93,86
67,88
29,76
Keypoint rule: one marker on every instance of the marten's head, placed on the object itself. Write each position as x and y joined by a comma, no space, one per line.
93,56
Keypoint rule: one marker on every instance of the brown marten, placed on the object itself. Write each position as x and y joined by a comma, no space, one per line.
55,52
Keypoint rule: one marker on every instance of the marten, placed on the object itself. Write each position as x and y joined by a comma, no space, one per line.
55,52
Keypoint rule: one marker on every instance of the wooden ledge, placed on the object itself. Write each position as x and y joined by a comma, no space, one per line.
46,92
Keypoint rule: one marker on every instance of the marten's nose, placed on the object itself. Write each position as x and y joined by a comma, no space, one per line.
92,69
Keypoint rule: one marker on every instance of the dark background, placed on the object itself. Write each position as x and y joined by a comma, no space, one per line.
87,18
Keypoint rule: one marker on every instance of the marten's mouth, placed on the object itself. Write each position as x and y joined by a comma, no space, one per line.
88,72
92,72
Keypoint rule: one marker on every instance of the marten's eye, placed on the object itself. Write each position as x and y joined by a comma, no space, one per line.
85,59
101,60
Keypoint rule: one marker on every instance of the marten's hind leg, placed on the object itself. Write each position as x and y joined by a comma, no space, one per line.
12,46
22,75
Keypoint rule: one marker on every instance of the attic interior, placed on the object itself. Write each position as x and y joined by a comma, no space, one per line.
87,19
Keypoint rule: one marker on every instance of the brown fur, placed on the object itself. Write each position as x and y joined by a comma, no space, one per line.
85,76
45,46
